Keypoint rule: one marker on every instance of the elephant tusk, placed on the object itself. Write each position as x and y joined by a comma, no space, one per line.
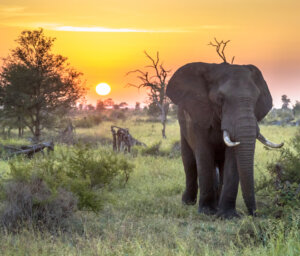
268,143
227,140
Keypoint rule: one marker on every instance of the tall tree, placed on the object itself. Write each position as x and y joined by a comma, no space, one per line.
296,108
285,101
156,84
100,105
37,85
108,102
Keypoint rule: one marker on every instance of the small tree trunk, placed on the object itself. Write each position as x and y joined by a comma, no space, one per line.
37,132
163,121
163,131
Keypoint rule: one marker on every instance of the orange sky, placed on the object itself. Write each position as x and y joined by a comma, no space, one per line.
106,38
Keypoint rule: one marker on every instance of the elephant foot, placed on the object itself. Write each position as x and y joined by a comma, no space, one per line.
227,214
189,199
207,210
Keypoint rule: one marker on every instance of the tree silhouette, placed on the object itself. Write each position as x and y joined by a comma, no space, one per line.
285,101
156,84
220,47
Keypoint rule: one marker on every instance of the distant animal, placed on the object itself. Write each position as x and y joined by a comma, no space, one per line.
219,107
122,139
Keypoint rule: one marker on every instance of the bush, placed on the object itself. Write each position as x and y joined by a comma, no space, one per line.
117,115
47,191
88,121
35,204
155,150
284,184
94,170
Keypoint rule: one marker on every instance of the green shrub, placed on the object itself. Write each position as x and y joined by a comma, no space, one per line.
283,186
49,190
95,169
152,150
88,121
155,150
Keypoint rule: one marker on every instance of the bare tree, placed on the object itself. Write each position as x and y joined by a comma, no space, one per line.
156,84
220,47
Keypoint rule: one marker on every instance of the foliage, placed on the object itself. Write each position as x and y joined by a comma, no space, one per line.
283,183
152,150
155,150
296,109
153,110
37,86
285,101
99,167
47,191
117,114
33,203
279,117
146,217
88,121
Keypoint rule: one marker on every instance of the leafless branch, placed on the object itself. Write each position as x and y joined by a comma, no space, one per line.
156,84
232,59
220,47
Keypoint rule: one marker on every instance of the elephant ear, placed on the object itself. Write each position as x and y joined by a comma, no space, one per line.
188,88
264,102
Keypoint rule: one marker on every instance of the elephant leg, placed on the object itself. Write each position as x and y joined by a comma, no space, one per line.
189,196
207,181
230,186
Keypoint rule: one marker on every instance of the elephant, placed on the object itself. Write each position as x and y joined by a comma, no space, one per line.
219,107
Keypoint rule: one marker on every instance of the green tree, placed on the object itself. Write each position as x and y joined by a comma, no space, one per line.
38,86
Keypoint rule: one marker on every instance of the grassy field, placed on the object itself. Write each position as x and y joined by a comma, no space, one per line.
146,217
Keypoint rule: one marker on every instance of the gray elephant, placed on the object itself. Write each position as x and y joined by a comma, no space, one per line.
219,107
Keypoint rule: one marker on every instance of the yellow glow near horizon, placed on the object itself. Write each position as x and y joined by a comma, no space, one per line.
108,39
103,89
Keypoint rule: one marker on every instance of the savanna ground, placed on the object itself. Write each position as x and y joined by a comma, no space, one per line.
146,217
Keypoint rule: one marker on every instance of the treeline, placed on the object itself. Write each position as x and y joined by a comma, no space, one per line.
288,114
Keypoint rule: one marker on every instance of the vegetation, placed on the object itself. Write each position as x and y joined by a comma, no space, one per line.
282,186
146,216
45,192
37,86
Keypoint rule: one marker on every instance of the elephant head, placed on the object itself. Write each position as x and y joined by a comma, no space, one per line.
233,98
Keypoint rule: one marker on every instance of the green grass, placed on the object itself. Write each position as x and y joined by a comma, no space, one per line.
146,217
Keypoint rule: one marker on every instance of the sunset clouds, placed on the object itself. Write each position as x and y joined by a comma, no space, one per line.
106,39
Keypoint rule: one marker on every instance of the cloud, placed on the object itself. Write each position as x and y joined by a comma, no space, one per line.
15,12
116,30
12,10
134,30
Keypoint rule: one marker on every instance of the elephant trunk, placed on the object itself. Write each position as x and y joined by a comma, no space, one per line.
246,134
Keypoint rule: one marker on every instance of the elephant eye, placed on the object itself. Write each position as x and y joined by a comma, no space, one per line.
220,99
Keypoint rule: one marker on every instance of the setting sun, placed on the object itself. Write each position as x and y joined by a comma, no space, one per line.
103,89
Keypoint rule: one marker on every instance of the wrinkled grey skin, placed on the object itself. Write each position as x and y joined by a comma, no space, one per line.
212,98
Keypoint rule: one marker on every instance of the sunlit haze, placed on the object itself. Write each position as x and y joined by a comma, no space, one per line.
106,39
